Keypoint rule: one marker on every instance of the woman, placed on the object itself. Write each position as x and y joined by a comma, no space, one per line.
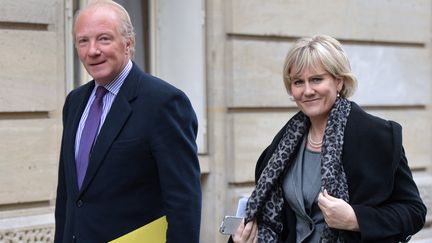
333,173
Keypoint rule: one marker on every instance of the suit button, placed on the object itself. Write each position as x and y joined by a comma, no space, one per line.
79,203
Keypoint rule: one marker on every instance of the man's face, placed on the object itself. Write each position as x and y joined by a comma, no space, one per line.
101,48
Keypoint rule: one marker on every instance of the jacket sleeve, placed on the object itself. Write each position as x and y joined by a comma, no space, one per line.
60,208
175,150
403,213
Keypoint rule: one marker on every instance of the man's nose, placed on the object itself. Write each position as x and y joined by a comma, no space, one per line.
94,49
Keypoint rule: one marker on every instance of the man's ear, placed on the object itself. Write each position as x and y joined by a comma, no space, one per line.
128,45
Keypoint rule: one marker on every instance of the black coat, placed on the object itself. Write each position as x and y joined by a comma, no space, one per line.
382,192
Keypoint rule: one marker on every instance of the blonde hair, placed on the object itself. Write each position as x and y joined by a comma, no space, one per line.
320,51
126,28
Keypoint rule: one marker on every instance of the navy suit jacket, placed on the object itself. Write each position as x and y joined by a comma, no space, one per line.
144,165
381,189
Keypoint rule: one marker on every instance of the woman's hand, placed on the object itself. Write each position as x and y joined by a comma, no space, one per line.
337,213
246,233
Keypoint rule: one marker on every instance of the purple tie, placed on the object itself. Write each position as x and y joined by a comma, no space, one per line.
89,134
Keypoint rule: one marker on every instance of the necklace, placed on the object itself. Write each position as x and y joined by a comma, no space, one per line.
312,143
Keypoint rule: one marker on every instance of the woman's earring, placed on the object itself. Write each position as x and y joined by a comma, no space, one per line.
338,95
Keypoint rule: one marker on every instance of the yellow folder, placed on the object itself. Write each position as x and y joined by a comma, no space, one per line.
154,232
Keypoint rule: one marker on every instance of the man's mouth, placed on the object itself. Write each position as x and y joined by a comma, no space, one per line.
96,63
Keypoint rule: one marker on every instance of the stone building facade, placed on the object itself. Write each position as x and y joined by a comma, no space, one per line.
241,100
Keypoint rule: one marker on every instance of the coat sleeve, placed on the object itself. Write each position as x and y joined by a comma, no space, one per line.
403,213
175,151
60,208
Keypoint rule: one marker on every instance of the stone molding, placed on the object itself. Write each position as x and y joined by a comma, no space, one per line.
40,234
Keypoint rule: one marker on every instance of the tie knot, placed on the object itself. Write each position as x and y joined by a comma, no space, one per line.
100,92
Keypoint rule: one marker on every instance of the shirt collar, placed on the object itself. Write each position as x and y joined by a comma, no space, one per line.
114,86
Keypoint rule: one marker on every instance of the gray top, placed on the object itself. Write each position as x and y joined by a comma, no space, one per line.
301,185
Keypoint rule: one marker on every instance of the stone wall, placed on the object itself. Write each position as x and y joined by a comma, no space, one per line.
32,92
32,235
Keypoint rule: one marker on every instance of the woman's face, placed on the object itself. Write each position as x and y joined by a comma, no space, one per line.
315,91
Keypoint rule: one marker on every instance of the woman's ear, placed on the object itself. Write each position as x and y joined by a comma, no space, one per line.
339,83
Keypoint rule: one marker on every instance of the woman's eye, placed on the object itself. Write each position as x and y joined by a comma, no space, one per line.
316,80
297,82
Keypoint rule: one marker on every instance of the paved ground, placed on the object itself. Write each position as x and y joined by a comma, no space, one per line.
424,236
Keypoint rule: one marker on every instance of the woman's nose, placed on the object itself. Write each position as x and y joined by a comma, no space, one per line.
308,89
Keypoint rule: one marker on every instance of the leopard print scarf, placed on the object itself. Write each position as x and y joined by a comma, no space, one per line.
266,202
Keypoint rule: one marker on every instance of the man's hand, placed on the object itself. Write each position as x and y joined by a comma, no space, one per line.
337,213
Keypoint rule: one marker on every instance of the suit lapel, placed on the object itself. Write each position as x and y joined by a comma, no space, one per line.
76,106
114,122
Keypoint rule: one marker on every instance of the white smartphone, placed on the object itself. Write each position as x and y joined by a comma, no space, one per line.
229,225
241,207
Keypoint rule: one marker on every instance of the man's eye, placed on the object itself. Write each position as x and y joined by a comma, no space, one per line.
104,39
82,41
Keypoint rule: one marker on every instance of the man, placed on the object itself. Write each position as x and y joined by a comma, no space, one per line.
128,151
